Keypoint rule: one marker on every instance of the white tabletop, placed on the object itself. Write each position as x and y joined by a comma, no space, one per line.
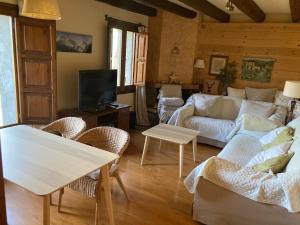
175,134
43,163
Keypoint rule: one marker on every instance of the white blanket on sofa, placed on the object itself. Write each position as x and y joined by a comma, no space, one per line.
282,189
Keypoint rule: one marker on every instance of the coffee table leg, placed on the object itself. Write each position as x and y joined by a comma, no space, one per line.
46,210
107,193
146,145
181,154
194,148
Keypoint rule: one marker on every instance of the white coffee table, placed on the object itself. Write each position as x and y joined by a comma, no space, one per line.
174,134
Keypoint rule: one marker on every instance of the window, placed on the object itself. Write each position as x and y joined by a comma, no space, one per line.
121,52
8,96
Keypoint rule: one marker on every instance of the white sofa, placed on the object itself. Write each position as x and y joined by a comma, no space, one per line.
214,116
215,205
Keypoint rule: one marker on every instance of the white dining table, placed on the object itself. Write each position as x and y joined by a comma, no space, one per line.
43,163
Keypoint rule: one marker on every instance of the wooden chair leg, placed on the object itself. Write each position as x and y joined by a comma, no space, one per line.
97,211
61,192
117,176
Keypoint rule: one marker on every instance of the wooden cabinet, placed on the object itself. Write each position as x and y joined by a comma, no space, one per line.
116,117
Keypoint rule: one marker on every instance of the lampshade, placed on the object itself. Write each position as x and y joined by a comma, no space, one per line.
200,64
41,9
292,89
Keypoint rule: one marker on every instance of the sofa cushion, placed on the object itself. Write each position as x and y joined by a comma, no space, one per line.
270,153
228,107
206,105
236,93
265,95
170,90
241,149
282,100
277,137
253,122
276,164
216,129
263,109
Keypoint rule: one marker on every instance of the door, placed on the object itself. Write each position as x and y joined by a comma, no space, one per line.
36,60
141,50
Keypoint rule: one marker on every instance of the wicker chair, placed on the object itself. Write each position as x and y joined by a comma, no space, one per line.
107,138
68,127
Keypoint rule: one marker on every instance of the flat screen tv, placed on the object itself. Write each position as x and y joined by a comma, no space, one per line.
97,88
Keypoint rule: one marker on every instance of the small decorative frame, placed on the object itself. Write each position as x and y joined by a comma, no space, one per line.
211,87
217,63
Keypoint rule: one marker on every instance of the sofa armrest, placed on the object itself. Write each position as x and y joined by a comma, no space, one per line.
181,114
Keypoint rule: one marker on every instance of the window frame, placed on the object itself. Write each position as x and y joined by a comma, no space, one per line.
124,26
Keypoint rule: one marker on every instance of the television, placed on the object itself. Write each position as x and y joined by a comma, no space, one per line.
97,89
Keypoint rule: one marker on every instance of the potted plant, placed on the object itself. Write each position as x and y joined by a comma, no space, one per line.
226,77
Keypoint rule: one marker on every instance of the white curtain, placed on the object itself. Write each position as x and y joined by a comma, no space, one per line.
141,106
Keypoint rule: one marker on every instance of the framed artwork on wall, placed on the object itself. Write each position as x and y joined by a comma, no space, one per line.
211,87
257,69
72,42
217,63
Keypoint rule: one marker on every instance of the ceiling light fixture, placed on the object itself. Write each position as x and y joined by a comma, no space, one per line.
41,9
229,6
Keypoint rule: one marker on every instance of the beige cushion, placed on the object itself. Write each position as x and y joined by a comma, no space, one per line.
263,109
295,124
206,105
236,93
253,122
277,137
228,108
276,164
265,95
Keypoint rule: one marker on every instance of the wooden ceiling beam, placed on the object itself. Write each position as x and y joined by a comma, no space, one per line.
295,10
172,7
132,6
208,9
251,9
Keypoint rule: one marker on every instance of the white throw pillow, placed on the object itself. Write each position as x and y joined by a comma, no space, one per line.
276,136
295,124
253,122
206,105
236,93
263,109
270,153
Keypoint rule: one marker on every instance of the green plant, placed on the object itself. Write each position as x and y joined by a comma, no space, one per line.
227,76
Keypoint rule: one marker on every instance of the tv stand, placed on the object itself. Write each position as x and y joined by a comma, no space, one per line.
111,116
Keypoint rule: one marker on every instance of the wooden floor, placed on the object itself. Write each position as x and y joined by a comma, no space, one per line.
157,195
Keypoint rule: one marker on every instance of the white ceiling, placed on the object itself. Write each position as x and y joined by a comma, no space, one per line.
268,6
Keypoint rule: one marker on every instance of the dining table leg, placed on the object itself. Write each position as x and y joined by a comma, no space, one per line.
107,193
46,210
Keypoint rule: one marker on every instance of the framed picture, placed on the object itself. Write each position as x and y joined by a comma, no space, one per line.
211,87
71,42
257,69
217,63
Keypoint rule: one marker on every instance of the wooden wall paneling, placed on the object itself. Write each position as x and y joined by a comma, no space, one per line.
279,41
36,60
